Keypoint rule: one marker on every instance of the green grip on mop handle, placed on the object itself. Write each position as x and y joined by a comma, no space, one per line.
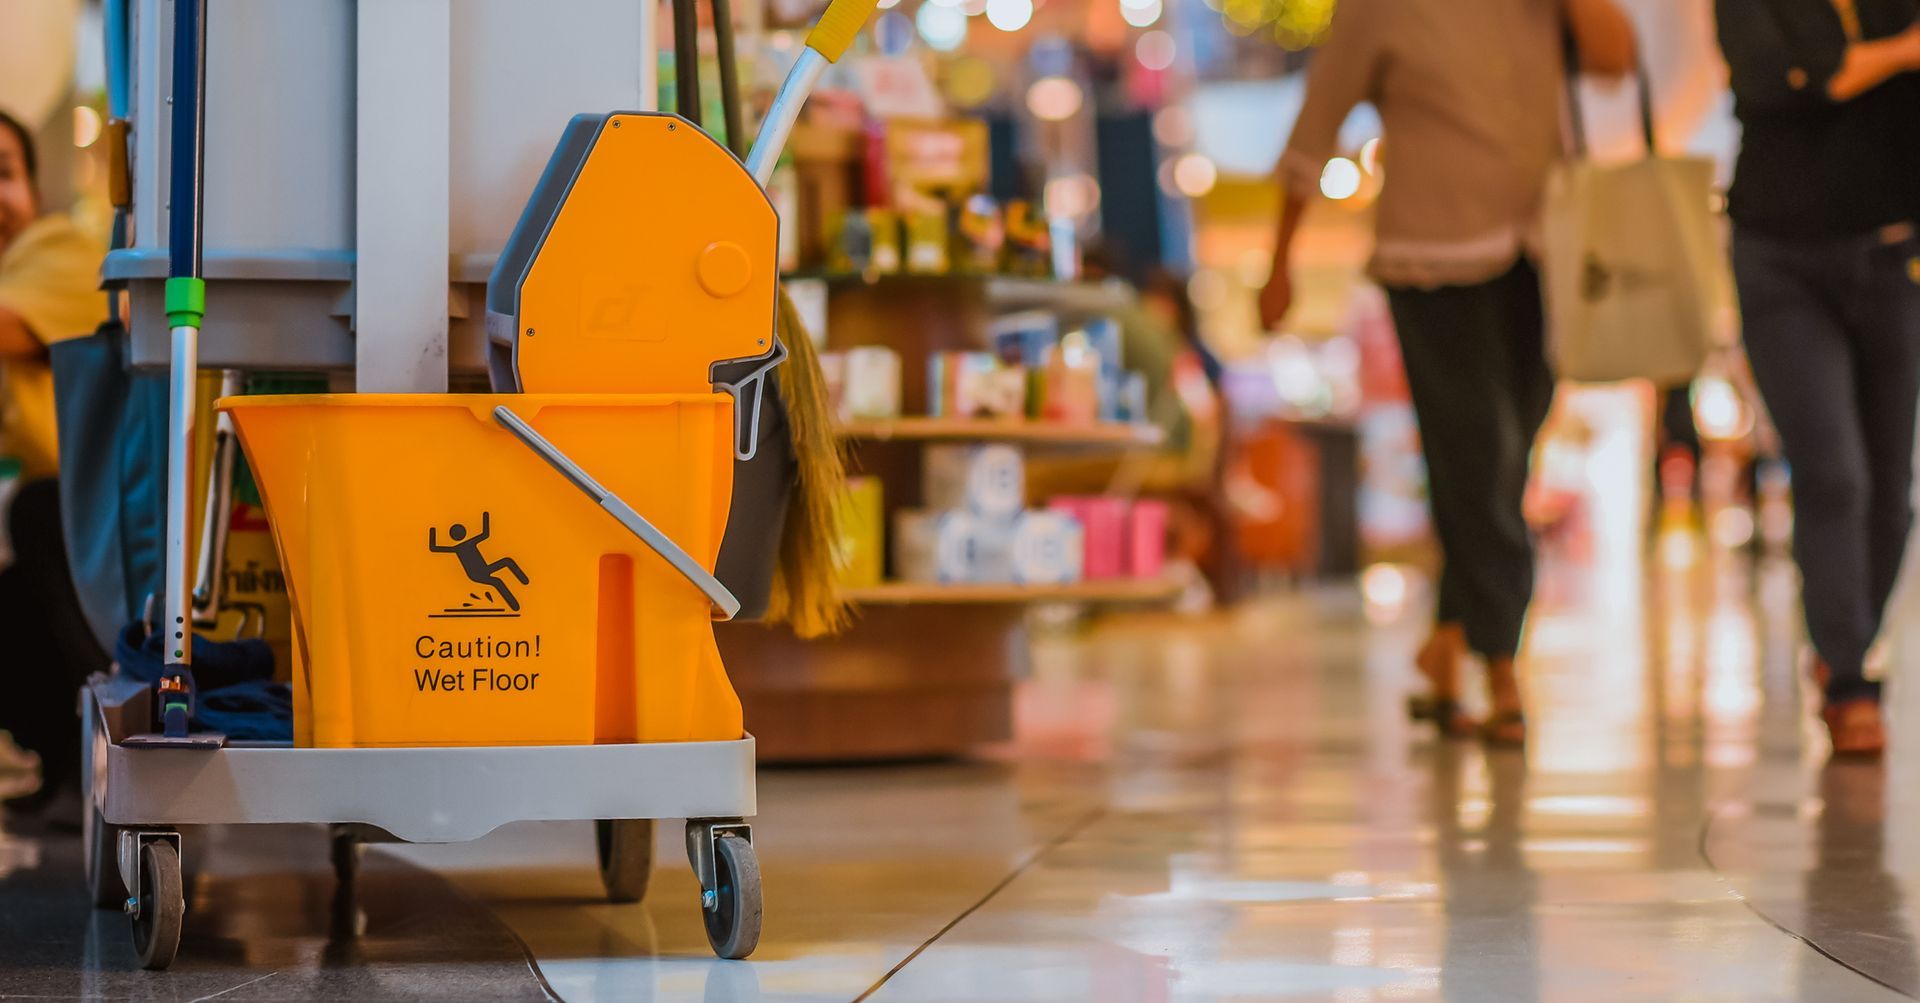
186,302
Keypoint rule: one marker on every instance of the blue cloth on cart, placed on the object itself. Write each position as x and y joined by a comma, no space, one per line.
113,463
234,691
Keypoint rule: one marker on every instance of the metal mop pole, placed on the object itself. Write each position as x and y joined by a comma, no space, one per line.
186,299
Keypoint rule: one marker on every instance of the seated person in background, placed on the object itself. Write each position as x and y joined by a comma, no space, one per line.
49,291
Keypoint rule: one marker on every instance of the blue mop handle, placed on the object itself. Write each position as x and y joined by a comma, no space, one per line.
186,305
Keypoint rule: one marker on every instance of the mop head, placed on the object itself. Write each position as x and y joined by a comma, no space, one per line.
806,596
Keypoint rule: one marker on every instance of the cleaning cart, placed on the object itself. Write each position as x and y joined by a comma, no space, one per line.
503,602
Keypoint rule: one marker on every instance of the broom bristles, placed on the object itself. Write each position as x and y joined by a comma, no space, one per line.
806,595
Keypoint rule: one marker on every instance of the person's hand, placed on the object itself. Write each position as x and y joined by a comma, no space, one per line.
1276,298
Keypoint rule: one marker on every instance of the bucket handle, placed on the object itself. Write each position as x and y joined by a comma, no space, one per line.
723,601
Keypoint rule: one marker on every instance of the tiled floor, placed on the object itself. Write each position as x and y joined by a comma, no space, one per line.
1220,808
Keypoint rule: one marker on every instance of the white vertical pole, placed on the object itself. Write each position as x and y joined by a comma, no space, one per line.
401,208
649,56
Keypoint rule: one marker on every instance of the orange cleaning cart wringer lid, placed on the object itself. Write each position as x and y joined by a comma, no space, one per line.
645,257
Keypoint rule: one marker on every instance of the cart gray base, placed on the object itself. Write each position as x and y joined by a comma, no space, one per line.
141,796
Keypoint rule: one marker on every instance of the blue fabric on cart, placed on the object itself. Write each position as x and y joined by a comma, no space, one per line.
234,691
113,463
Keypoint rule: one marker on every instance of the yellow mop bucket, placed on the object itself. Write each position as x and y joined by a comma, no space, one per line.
451,587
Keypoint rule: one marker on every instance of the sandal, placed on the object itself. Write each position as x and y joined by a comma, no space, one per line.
1506,729
1856,728
1449,718
1438,662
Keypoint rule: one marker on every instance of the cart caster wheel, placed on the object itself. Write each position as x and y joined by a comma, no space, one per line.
102,861
626,857
162,905
732,906
347,849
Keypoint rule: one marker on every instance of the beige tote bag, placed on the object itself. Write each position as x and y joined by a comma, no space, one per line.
1634,275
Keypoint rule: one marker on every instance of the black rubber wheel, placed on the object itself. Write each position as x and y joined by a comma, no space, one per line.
733,921
346,850
625,846
156,931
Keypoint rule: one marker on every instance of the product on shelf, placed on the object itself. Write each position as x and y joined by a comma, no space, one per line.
871,383
961,384
852,249
1131,402
980,235
1048,549
1063,242
1024,338
1102,336
1103,522
927,242
1029,242
859,552
1070,384
951,547
883,228
1146,543
985,479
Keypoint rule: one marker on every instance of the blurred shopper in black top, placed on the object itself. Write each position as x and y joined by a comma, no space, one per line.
1824,203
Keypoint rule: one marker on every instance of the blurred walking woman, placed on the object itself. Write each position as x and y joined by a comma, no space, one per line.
1828,268
1470,96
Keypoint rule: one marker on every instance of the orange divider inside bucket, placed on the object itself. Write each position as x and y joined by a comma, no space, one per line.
451,588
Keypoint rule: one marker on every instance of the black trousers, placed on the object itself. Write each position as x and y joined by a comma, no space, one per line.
51,649
1833,331
1476,365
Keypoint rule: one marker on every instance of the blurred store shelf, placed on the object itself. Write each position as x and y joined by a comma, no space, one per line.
1003,292
1039,433
1110,591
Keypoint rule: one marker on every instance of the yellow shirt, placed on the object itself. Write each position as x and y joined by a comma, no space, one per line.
50,278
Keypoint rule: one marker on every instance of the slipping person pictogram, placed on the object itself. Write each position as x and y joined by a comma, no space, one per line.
467,549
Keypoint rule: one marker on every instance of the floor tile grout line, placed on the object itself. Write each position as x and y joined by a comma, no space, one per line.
1706,828
1045,848
232,989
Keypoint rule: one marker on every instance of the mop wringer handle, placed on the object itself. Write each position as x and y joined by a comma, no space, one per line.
838,26
826,43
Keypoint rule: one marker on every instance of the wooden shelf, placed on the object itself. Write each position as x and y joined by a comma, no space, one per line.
1111,591
1107,434
1002,292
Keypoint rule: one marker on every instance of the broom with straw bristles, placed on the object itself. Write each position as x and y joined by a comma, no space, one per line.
806,596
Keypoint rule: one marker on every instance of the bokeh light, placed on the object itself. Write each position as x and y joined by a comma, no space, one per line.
1074,195
1208,289
944,28
1009,15
893,33
86,126
1173,126
1194,175
1370,155
1340,179
1155,50
970,82
1054,99
1141,16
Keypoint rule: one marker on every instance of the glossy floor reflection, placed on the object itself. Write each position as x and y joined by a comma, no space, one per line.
1235,808
1220,808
